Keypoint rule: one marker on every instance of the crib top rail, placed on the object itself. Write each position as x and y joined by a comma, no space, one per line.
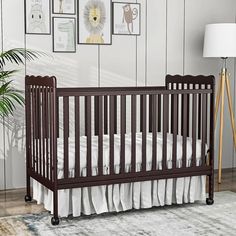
190,79
66,92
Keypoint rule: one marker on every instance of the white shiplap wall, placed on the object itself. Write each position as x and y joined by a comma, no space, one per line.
170,42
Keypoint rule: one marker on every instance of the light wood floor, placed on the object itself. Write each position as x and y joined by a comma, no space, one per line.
12,201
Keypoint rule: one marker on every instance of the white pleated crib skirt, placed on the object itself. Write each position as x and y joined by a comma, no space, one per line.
122,197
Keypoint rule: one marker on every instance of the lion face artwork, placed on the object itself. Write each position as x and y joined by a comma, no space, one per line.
95,19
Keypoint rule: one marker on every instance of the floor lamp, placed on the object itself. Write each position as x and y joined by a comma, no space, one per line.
220,42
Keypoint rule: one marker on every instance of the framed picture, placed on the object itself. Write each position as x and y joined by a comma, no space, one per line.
64,35
94,22
37,17
64,7
126,18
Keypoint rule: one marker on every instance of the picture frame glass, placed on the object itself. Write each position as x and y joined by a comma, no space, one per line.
126,18
64,6
94,22
64,35
37,17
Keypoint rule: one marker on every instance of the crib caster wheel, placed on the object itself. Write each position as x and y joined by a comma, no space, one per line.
55,220
28,198
209,201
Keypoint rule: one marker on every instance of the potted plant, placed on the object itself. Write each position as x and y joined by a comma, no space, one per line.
9,96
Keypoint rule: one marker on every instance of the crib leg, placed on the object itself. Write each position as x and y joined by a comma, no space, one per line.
28,197
55,218
210,199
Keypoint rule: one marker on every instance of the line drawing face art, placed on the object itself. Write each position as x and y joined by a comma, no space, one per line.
126,18
68,27
129,15
36,19
94,20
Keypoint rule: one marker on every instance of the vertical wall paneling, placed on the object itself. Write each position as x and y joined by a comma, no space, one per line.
121,54
171,41
175,36
156,42
2,133
13,37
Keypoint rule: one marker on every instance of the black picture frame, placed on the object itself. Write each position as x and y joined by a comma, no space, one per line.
53,34
26,20
113,20
78,25
58,13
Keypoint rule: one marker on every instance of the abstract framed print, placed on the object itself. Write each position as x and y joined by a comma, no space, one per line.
37,17
67,7
64,34
94,22
126,18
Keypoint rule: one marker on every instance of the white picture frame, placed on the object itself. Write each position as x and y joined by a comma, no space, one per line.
126,18
64,34
97,29
65,7
37,17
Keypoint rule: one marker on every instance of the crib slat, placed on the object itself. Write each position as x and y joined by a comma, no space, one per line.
39,130
43,129
177,114
175,128
96,112
36,129
105,115
204,126
33,127
100,136
144,131
184,129
150,112
66,135
133,131
154,132
47,131
159,113
57,106
172,108
28,107
188,109
199,113
111,132
115,114
51,132
194,129
77,136
88,133
122,132
165,128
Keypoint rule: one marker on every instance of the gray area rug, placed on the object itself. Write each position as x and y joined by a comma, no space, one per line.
188,219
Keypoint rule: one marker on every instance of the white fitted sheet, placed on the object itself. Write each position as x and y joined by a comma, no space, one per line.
83,150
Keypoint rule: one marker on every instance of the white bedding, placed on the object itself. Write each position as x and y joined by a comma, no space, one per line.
83,150
121,197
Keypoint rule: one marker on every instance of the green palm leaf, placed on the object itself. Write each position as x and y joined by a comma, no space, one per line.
18,56
9,96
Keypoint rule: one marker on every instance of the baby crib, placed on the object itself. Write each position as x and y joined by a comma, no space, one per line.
182,110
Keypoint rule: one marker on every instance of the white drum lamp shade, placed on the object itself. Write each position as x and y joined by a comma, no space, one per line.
220,40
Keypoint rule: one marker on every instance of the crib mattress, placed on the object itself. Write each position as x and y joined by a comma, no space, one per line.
83,150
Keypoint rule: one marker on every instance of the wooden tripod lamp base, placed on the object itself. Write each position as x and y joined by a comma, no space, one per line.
219,42
224,82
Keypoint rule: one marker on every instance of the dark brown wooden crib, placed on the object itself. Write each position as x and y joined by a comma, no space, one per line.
185,107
